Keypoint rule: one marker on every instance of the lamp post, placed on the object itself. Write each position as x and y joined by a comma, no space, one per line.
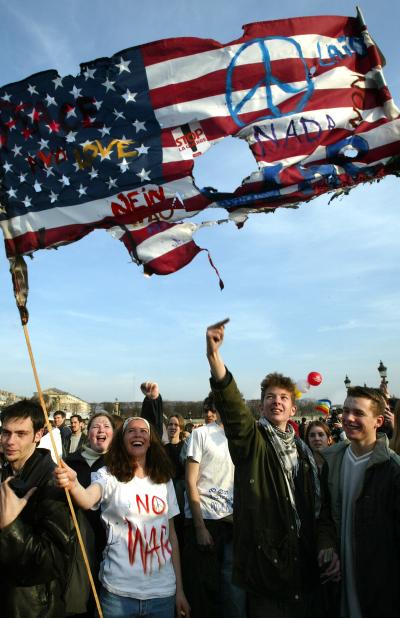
347,382
116,406
383,373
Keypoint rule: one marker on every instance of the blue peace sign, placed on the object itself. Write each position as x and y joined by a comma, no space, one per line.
268,81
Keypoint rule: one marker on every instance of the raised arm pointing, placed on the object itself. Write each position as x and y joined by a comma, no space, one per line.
215,337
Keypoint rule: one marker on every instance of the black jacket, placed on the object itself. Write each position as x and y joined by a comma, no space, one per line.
152,411
83,470
377,527
36,548
79,597
67,444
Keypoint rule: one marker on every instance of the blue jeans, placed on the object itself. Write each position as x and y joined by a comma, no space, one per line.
115,606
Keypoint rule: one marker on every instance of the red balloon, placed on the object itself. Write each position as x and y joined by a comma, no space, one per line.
314,378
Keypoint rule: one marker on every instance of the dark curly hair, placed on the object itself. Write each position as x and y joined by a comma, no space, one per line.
118,462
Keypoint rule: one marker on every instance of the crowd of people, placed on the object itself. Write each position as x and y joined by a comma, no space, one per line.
241,517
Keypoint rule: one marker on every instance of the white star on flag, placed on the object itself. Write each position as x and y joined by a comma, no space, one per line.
7,167
129,96
139,126
17,150
27,202
93,173
111,182
123,65
97,104
142,149
118,114
124,166
144,175
89,73
70,137
64,180
37,186
12,192
71,112
57,82
32,89
50,100
82,190
49,171
6,97
108,85
53,197
76,92
44,143
104,131
22,177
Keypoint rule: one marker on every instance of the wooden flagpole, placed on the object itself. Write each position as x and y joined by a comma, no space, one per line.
71,506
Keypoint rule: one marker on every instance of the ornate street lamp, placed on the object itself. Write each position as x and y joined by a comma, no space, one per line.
382,372
347,382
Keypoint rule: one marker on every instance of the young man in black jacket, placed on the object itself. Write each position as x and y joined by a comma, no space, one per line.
37,537
364,482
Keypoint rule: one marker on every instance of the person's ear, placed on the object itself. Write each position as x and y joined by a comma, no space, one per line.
38,435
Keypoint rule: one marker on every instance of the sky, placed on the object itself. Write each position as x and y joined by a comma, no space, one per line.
313,289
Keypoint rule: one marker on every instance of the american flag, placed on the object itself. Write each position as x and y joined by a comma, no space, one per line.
115,146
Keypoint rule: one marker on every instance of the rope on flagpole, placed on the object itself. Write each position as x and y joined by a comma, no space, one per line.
59,461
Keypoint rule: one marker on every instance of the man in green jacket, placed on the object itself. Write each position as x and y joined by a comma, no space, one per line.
282,524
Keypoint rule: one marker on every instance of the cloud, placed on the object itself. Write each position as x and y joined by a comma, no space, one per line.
349,325
50,40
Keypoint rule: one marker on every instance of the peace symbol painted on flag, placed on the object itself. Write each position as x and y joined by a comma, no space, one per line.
259,50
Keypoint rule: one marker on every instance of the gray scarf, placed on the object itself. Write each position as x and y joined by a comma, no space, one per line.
286,445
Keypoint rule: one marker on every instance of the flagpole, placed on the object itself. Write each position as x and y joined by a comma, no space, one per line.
60,463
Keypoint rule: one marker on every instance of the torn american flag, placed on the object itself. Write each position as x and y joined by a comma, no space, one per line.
115,147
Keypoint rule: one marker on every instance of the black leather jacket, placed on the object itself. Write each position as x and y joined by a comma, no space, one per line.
35,548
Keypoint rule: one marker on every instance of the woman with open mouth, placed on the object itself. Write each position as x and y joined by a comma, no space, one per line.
140,572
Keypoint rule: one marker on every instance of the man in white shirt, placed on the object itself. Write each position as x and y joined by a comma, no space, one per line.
207,556
364,480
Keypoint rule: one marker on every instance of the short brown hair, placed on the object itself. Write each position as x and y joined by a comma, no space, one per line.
374,395
278,379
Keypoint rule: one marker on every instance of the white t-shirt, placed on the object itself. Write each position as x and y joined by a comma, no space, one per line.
209,447
351,482
45,442
137,557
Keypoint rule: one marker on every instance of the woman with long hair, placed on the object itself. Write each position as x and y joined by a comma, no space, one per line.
140,572
318,436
